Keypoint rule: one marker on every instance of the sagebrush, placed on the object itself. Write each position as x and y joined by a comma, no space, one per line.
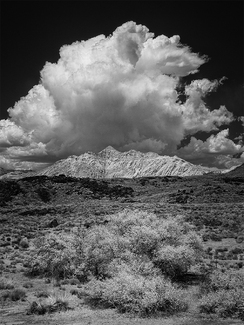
145,247
223,294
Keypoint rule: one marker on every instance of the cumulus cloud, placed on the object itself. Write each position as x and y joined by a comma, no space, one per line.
217,150
12,134
119,90
197,117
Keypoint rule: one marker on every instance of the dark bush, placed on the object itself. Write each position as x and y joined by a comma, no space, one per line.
44,194
8,190
28,285
74,292
49,305
215,237
240,239
236,251
24,243
14,295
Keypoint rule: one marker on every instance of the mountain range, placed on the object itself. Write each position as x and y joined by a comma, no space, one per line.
110,163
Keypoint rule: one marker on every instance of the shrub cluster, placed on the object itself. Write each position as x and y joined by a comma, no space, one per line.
54,255
129,292
14,295
52,303
223,294
128,262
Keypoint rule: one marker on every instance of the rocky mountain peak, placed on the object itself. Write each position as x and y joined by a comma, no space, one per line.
108,152
110,163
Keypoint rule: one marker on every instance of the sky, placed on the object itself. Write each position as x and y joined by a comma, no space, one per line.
161,76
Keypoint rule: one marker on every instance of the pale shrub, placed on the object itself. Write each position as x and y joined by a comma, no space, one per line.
223,294
123,221
170,244
138,294
133,264
124,260
99,250
225,303
174,261
54,255
137,240
227,280
142,239
194,241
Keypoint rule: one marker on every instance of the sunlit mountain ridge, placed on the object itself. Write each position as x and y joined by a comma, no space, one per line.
110,163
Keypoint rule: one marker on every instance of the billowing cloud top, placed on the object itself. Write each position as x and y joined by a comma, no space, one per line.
119,90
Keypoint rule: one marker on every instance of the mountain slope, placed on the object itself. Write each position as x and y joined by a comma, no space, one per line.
236,172
110,163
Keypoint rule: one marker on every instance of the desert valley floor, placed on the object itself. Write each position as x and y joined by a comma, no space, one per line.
34,206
